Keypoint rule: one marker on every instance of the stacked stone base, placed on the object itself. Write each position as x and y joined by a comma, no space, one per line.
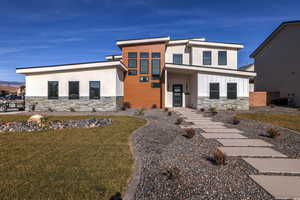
241,103
81,104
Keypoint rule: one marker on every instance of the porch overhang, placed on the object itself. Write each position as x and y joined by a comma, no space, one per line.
196,68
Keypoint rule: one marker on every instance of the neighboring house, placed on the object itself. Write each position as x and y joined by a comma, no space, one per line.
150,72
249,68
7,90
277,63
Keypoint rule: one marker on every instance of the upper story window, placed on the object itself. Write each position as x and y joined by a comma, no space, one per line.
52,89
206,57
231,90
222,57
144,63
132,59
132,72
73,89
177,59
155,63
94,89
214,91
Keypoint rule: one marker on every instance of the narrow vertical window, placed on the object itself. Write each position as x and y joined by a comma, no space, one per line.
177,59
155,63
206,57
214,91
73,89
94,89
52,89
144,63
222,58
132,62
231,90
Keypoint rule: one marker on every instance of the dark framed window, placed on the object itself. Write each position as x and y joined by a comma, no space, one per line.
73,89
144,79
94,89
177,59
155,77
206,57
155,66
52,89
144,68
222,57
155,85
132,61
231,90
155,55
144,55
214,91
132,72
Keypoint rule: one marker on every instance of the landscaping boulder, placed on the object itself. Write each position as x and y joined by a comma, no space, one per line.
35,118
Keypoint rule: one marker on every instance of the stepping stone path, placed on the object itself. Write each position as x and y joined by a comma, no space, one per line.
235,144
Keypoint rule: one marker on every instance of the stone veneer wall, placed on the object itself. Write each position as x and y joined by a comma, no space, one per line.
241,103
81,104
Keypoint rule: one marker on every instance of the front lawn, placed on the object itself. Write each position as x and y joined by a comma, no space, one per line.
92,163
285,120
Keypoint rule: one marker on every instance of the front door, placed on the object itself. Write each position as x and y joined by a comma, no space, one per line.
177,95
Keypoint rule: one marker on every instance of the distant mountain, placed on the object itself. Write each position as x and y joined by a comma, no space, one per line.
11,83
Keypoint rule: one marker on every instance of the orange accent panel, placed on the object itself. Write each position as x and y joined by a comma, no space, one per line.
141,94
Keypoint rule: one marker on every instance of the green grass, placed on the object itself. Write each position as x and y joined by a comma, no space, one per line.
284,120
78,163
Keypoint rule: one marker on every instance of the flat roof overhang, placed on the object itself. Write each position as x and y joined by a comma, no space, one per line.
215,44
121,43
70,67
196,68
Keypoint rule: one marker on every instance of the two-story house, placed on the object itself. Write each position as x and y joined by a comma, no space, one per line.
150,72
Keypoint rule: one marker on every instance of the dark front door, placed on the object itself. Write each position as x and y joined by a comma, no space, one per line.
177,95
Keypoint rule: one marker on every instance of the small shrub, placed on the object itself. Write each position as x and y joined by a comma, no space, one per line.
166,109
219,157
179,121
154,106
72,109
126,105
94,110
202,109
213,110
189,133
45,121
169,113
235,120
273,133
172,173
140,112
50,109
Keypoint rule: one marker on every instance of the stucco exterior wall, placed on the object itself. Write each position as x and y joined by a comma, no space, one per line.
277,64
178,49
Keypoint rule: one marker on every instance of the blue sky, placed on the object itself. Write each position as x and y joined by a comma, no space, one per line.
47,32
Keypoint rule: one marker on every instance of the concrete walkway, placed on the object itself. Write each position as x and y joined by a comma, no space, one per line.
235,144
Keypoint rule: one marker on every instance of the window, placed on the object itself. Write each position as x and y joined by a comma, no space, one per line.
94,89
177,59
206,57
132,59
155,85
155,66
144,79
214,91
222,58
52,89
155,55
231,90
73,89
155,77
144,63
132,72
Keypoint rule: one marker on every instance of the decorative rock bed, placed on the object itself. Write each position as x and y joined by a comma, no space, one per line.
56,124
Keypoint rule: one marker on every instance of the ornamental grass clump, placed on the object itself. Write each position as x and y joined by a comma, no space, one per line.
213,110
140,112
273,133
219,157
189,133
179,121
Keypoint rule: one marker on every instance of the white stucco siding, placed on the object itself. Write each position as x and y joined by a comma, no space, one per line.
178,49
37,84
205,79
119,83
197,57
